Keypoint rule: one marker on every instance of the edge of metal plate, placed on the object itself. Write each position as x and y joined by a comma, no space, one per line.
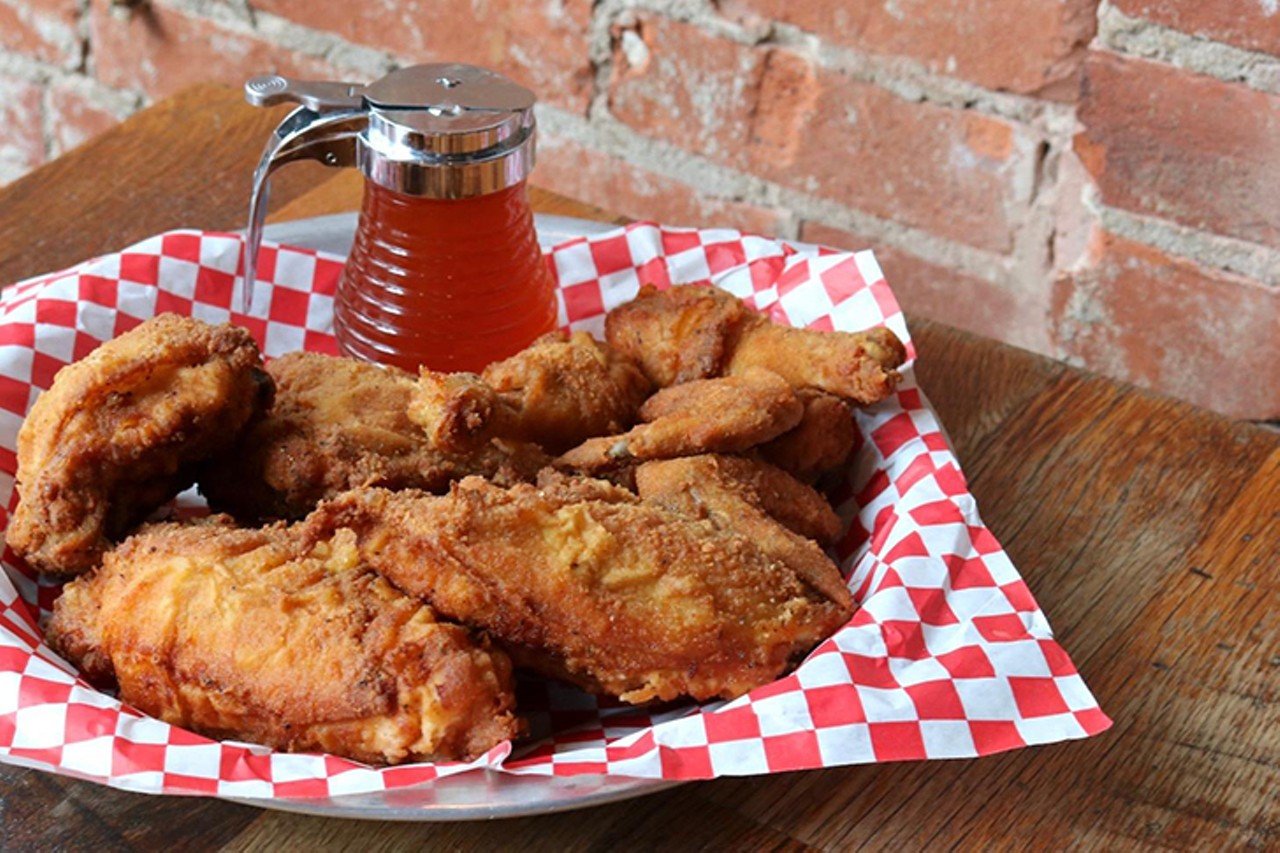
478,794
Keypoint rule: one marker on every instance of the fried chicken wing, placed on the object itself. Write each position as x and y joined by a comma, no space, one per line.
821,442
781,515
687,333
283,637
557,392
679,334
338,423
724,415
595,585
122,430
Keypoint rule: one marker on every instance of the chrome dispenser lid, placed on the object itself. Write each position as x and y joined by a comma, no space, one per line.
444,130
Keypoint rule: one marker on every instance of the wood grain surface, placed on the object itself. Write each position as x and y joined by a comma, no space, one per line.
1148,530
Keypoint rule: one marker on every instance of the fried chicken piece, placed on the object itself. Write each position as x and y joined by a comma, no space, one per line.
724,415
821,442
687,333
557,392
679,334
121,431
338,423
281,636
781,515
591,584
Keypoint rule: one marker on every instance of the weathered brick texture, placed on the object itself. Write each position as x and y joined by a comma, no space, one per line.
1168,323
542,44
1025,46
162,50
1181,146
954,172
1250,24
1017,176
21,119
43,29
616,185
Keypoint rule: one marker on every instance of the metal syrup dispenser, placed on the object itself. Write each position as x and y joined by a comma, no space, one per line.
445,271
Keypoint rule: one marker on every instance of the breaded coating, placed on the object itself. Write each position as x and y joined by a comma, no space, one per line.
687,333
821,442
557,392
778,513
724,415
679,334
283,637
122,430
338,423
596,586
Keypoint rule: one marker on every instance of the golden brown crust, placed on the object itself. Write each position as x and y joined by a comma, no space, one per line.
680,334
121,431
624,596
282,637
724,415
686,333
856,366
775,511
821,442
557,392
338,423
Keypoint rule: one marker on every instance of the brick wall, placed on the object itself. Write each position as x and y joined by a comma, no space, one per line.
1099,182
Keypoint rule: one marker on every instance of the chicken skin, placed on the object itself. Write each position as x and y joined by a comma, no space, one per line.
557,392
781,515
584,581
122,431
723,415
338,423
821,442
282,636
687,333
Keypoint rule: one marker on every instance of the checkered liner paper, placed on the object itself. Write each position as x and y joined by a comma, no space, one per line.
947,656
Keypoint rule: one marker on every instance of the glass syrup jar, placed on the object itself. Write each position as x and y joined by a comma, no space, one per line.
445,271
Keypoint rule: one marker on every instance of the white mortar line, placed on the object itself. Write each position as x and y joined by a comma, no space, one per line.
905,78
1210,250
366,62
610,136
119,102
1139,37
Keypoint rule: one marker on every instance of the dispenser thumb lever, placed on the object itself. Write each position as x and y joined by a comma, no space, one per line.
319,95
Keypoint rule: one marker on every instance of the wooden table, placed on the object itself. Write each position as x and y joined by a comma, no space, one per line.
1149,531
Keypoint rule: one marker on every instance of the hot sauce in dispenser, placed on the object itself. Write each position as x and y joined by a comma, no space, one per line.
445,271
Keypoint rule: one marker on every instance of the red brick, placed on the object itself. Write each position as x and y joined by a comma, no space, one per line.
1251,24
620,187
1025,46
1165,142
764,110
543,45
44,29
160,50
1168,324
21,120
949,296
75,118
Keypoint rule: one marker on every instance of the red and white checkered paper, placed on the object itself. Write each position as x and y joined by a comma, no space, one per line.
948,655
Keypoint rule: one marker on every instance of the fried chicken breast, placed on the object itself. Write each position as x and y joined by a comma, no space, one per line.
781,515
338,423
122,430
282,636
560,390
687,333
589,583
